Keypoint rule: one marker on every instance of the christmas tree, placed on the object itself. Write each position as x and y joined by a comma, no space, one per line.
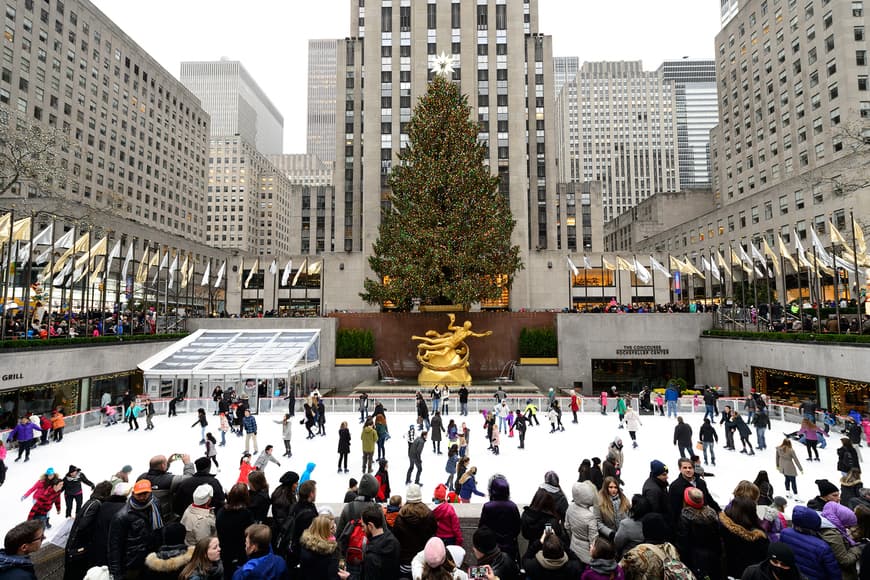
446,239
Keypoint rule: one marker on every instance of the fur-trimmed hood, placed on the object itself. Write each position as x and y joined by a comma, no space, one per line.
318,545
169,558
753,535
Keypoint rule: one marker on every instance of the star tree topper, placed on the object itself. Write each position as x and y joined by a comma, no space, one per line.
443,64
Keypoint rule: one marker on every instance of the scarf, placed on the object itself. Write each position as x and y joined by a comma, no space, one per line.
156,520
551,563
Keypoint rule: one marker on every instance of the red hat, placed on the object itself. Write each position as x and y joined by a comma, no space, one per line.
440,493
693,497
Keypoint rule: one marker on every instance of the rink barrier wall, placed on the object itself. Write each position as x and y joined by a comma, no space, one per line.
407,404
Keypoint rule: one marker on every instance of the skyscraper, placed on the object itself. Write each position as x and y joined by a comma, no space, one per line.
697,113
321,98
565,68
504,66
237,105
618,126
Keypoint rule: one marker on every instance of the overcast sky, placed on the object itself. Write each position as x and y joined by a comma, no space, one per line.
270,37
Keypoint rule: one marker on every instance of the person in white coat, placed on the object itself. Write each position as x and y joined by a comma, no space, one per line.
632,423
580,520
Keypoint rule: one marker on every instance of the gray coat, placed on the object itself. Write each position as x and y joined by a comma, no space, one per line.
436,427
787,461
415,449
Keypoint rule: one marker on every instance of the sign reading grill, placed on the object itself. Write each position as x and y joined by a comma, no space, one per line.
641,350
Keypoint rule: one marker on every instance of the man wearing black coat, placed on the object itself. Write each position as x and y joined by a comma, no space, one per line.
164,484
381,559
687,478
463,401
302,514
415,457
134,533
683,438
655,489
183,495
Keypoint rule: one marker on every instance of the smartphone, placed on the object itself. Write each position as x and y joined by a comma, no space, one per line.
175,457
477,572
548,528
342,565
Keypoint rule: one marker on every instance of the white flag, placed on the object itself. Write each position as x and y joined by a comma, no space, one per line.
64,242
114,253
288,269
256,268
714,269
185,271
300,271
61,276
705,265
206,275
642,273
220,275
172,268
656,265
129,258
571,266
273,267
41,239
802,256
163,263
756,255
823,255
586,263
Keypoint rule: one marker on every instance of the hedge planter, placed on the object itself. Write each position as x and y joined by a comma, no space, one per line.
539,360
353,362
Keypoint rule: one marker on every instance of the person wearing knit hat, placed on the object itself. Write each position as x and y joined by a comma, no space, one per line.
779,565
413,494
827,492
434,554
698,539
846,549
199,517
486,551
813,555
655,488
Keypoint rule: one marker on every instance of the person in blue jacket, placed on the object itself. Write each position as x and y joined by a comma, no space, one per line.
468,485
306,475
262,563
814,556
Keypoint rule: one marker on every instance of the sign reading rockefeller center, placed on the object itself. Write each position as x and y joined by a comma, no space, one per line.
641,350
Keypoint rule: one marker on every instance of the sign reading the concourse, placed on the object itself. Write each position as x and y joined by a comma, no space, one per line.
642,350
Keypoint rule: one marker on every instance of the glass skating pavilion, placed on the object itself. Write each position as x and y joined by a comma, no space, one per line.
253,362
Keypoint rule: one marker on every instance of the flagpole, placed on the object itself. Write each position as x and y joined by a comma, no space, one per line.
51,268
6,275
585,284
769,297
857,276
602,281
836,281
819,296
29,275
653,286
671,288
800,289
275,289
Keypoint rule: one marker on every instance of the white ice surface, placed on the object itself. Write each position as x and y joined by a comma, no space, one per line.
101,452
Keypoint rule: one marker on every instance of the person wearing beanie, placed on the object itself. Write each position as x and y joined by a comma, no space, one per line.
183,494
552,487
365,498
827,492
846,550
445,516
171,557
414,525
46,492
352,490
779,565
487,553
686,479
655,489
432,562
123,475
646,560
697,535
199,518
284,497
72,488
814,557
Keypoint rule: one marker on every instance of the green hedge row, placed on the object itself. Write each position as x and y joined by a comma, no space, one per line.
86,341
354,343
539,342
791,336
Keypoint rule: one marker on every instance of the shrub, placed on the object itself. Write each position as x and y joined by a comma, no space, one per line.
539,342
354,343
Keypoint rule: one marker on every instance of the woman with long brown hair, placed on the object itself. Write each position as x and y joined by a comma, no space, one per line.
788,464
205,564
612,507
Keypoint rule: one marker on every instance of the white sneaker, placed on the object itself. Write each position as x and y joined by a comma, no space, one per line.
788,494
798,500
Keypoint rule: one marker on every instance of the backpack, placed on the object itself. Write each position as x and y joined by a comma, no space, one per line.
354,537
672,568
283,536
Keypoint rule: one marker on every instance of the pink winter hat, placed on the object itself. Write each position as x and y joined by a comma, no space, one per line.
434,553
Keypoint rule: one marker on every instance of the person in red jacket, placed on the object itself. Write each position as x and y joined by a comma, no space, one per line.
445,516
383,477
245,468
575,405
46,492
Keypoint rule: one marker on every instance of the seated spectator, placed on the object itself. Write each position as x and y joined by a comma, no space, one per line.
171,557
814,557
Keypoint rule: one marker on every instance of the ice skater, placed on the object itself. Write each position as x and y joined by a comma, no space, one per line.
632,422
531,413
211,450
202,421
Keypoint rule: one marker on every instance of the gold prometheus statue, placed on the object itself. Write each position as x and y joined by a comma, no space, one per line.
444,356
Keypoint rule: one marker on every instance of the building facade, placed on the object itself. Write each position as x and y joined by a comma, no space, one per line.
304,169
322,80
618,125
694,83
790,151
504,66
140,137
236,103
565,69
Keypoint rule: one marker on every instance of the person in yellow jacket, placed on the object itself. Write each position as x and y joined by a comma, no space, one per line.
369,438
531,413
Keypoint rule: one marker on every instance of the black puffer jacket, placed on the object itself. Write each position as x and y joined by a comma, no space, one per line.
699,542
131,538
83,530
98,553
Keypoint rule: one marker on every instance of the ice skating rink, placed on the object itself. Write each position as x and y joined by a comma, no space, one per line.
102,451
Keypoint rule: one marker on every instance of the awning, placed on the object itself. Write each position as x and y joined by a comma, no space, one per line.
242,353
